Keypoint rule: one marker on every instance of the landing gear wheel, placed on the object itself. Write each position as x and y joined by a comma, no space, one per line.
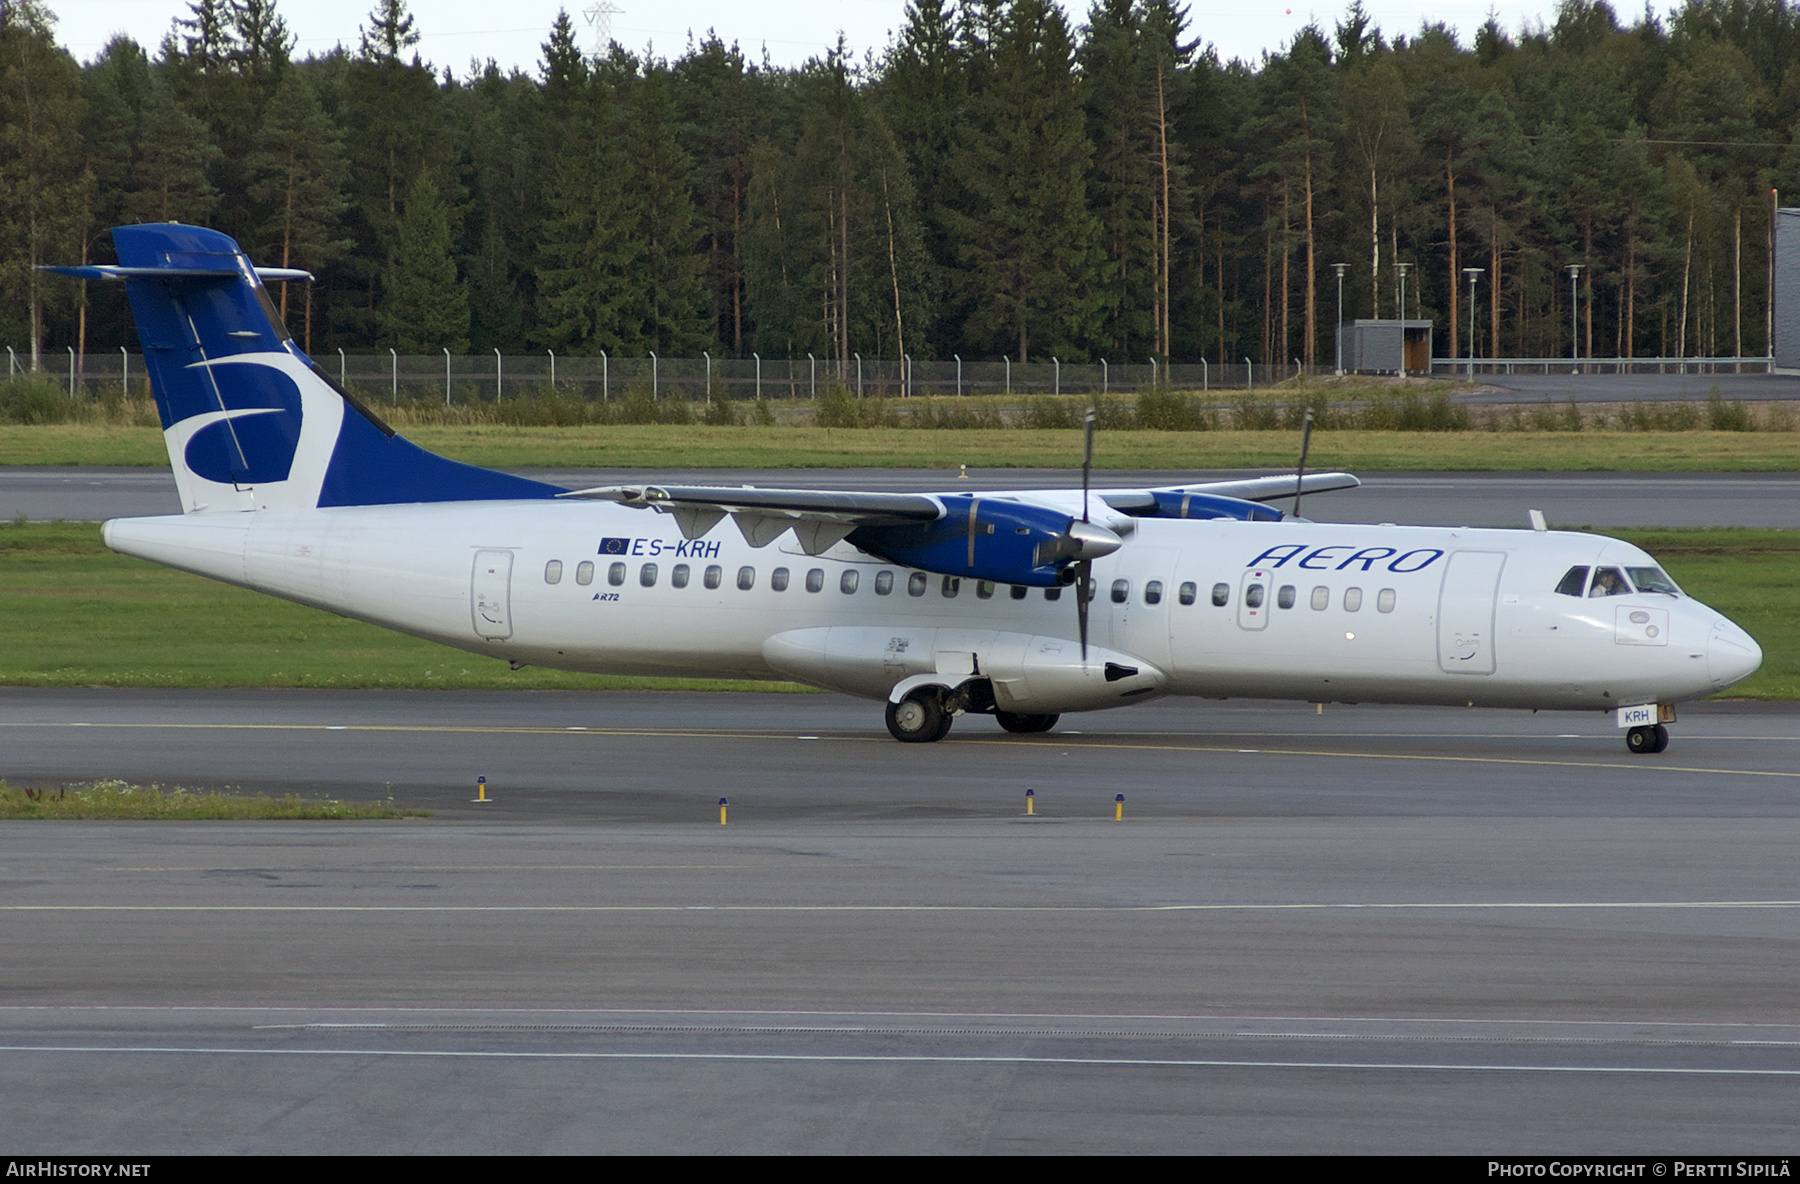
919,718
1644,741
1025,725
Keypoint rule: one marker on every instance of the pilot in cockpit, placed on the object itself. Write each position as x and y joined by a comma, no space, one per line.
1608,581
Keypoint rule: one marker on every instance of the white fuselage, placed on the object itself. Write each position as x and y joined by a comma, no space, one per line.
1375,613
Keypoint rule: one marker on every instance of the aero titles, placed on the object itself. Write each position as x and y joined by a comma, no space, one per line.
1367,557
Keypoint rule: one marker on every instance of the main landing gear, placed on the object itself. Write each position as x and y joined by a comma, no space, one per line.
1646,740
1025,725
920,718
926,714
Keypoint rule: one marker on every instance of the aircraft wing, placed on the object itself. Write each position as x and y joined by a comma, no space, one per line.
819,518
1263,489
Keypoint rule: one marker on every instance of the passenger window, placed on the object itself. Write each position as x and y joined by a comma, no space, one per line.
1285,597
1352,599
1153,592
884,582
584,573
1573,581
647,575
952,586
1253,596
815,580
1384,601
984,589
678,575
615,575
1121,591
1018,591
778,580
1321,599
1221,595
915,584
553,572
1187,593
746,578
1053,593
847,581
713,575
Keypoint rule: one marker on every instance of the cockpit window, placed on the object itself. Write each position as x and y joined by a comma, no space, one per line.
1573,581
1652,579
1608,581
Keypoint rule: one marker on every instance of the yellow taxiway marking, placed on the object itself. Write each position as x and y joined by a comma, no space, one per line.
473,867
1081,742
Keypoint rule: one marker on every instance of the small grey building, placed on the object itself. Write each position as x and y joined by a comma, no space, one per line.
1787,288
1386,347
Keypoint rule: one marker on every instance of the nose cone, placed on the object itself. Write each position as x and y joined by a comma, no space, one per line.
1732,655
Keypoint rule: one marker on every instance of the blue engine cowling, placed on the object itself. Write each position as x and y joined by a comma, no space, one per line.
980,539
1171,504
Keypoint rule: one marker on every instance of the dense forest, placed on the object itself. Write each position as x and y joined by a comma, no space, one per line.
995,183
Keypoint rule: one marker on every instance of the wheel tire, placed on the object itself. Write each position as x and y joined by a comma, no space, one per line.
1025,725
919,718
1662,739
1642,741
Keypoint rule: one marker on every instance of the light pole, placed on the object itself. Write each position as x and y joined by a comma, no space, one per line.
1474,273
1574,300
1400,269
1340,268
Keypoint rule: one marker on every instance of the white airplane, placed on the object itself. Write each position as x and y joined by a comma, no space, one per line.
938,604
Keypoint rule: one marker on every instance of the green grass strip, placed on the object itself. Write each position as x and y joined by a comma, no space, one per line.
121,801
699,446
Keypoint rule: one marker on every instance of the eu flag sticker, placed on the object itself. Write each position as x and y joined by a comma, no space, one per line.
615,546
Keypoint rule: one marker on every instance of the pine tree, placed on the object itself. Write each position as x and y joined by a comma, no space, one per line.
172,178
425,308
296,175
42,186
1029,245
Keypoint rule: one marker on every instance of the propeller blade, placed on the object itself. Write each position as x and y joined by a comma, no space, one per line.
1084,568
1087,459
1082,572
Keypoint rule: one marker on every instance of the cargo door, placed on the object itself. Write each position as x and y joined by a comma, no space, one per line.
1465,625
490,595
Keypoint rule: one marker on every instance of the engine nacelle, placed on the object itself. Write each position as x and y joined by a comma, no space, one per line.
1211,505
994,539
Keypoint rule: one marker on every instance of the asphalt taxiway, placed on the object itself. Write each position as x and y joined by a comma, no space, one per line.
1427,499
1363,930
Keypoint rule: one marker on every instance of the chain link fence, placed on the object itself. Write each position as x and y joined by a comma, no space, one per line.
467,378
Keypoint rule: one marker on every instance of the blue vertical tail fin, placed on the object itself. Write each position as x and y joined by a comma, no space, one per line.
250,421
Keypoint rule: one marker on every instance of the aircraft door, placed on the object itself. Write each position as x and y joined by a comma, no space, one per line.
1255,593
1466,612
490,595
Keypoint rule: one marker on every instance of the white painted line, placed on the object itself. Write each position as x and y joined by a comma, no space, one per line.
873,1059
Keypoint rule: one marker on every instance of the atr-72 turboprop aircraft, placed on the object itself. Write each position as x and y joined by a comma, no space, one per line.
939,604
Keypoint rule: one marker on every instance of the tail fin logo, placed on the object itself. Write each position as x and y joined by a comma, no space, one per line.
276,432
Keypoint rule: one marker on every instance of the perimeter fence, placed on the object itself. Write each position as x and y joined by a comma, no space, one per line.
466,378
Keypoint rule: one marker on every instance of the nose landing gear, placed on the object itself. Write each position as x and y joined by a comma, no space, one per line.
1646,740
